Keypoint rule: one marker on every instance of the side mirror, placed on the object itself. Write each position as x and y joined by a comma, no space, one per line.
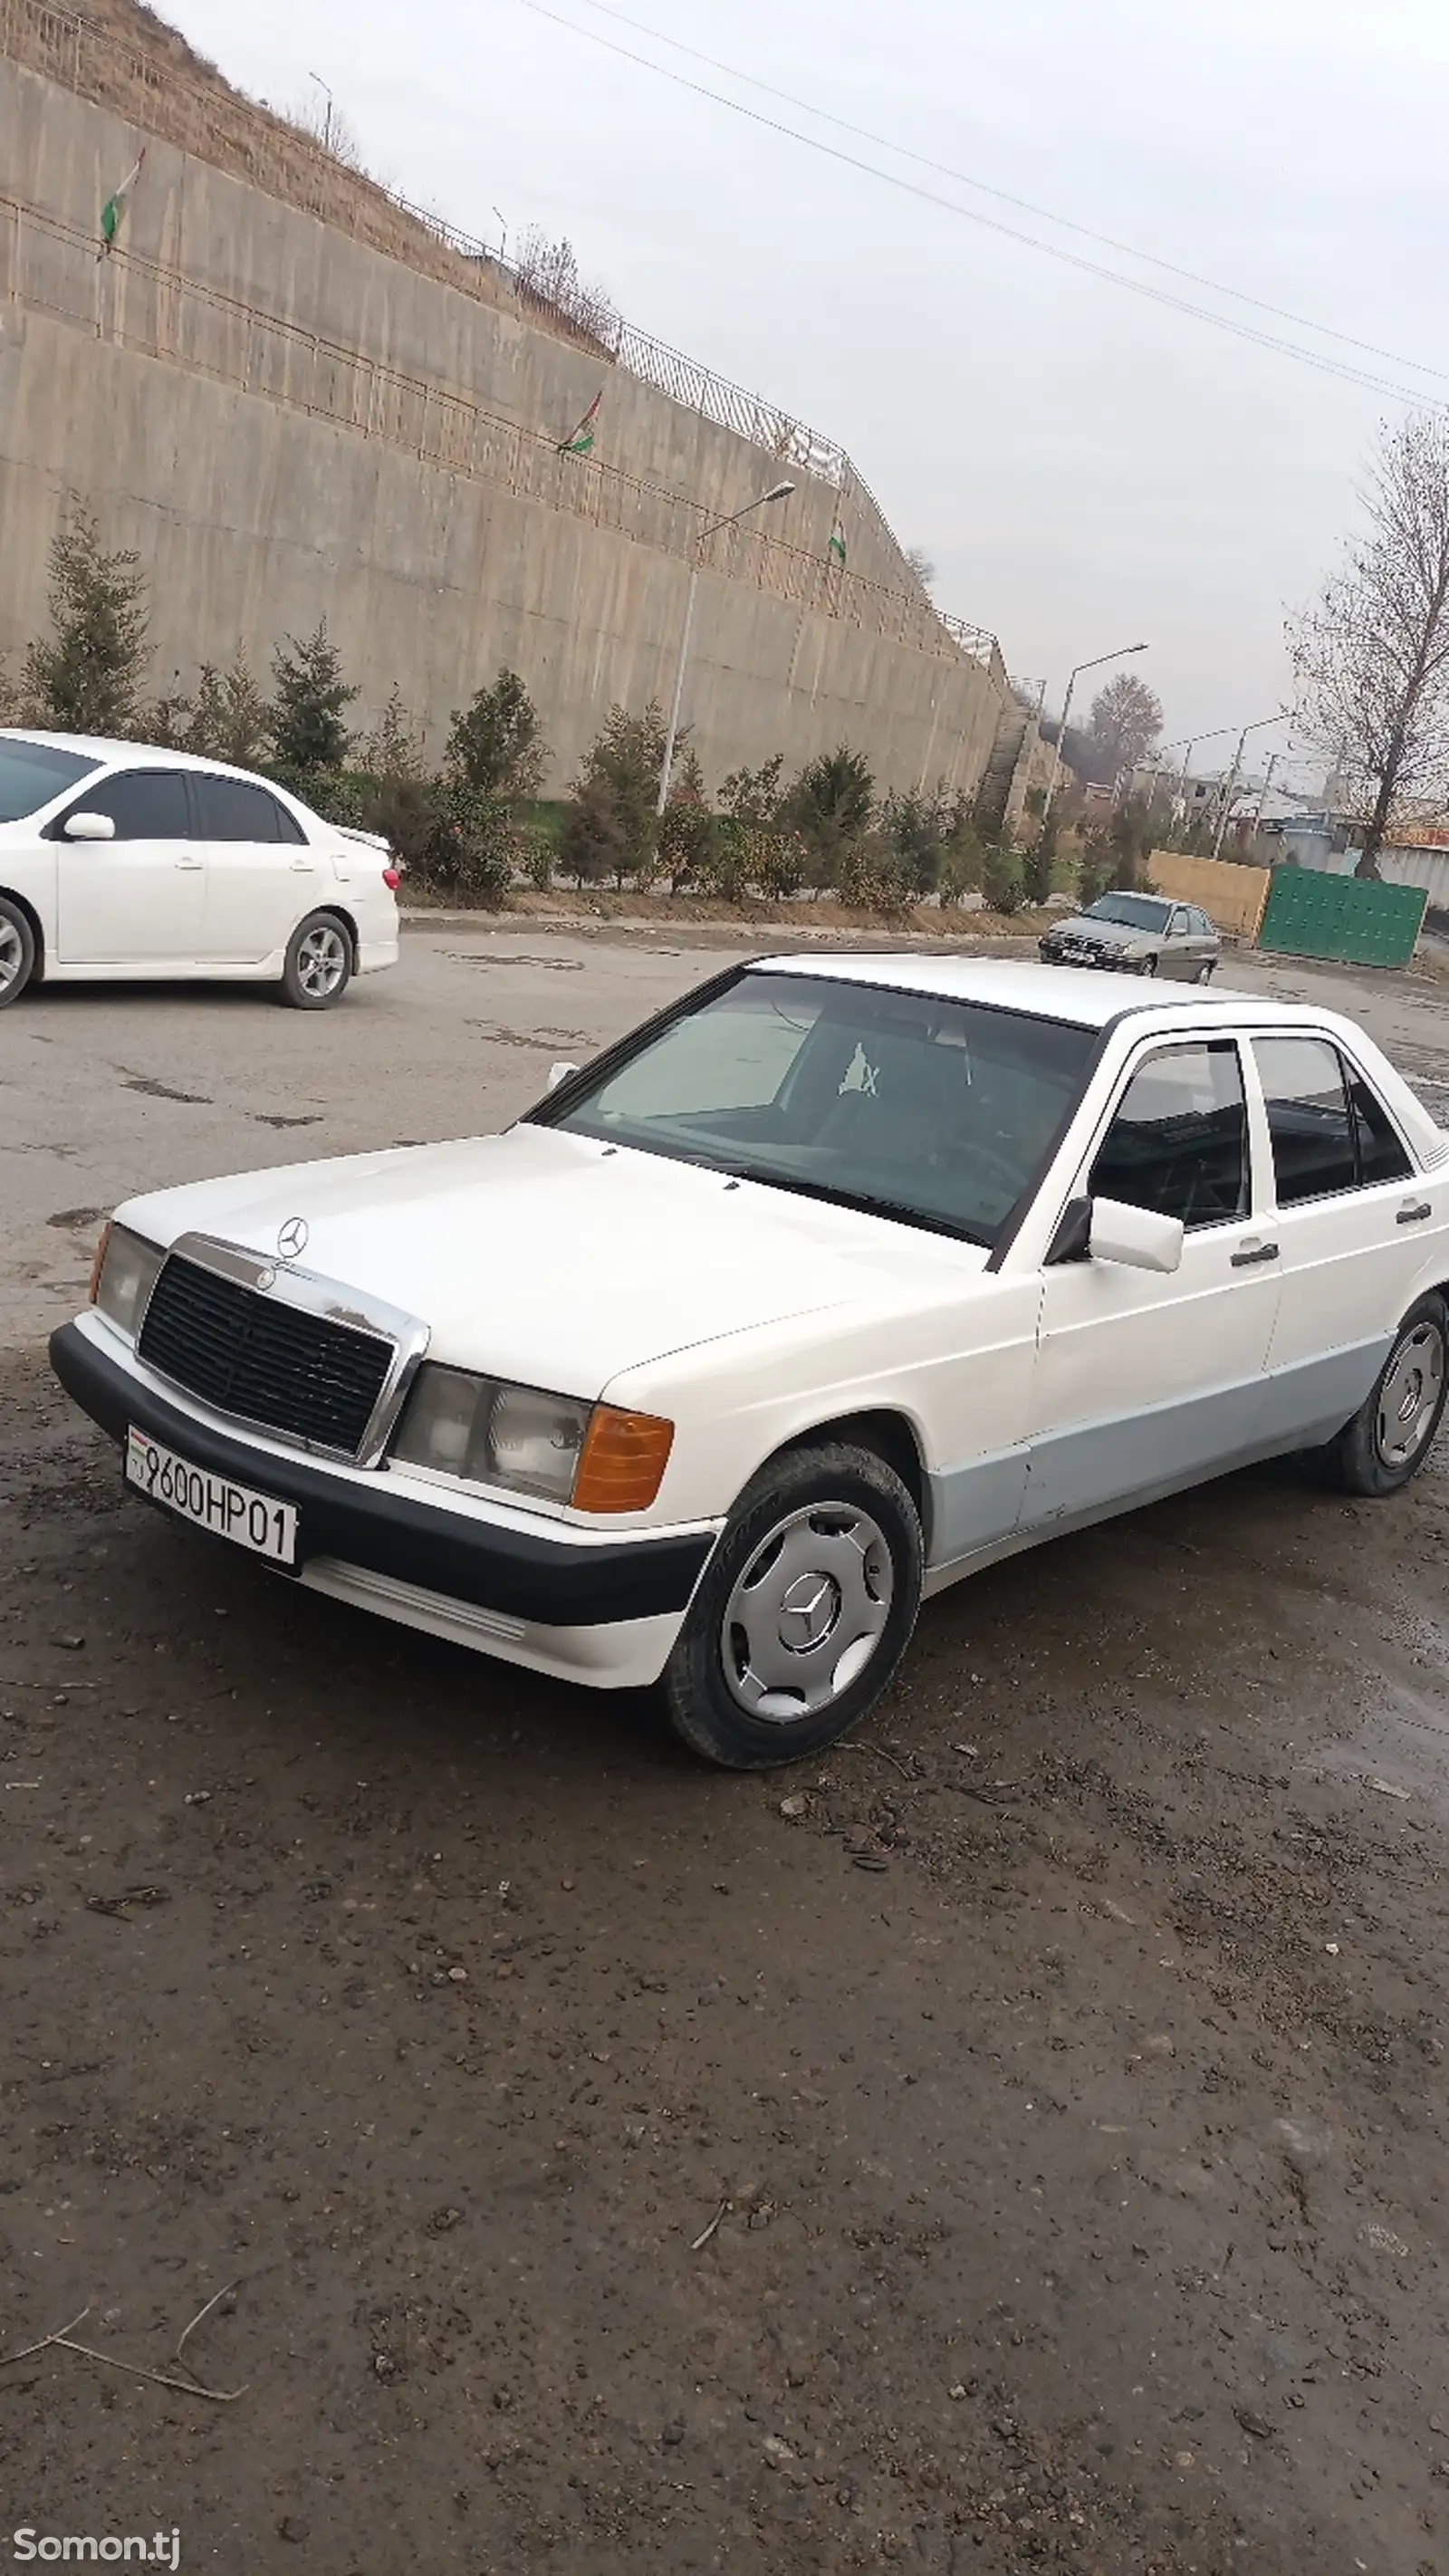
1137,1238
89,827
558,1073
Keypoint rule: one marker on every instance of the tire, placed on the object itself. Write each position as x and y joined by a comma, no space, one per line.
834,1526
318,967
1391,1434
17,952
1149,966
1204,975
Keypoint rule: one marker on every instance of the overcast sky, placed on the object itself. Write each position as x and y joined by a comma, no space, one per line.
1083,466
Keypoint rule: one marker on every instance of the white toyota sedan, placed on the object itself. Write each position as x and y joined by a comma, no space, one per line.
121,861
836,1282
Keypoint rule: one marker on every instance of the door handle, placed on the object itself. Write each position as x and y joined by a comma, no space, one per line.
1253,1253
304,867
190,862
1414,1215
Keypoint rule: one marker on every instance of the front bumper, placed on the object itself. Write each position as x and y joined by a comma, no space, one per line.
599,1609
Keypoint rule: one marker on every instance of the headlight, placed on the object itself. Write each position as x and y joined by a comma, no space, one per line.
496,1435
123,1277
533,1443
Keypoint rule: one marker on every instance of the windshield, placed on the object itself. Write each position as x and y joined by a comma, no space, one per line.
1135,911
934,1112
31,773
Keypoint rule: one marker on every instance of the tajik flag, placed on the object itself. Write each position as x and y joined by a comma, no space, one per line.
580,440
114,208
837,542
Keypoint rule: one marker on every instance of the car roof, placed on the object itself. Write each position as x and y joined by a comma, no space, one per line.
136,755
1045,992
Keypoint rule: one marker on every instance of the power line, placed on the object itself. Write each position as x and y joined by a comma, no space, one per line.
1004,197
1323,365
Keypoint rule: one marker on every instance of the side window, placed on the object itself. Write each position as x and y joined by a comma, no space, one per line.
1178,1143
231,809
1199,923
1177,925
1381,1156
144,805
1314,1145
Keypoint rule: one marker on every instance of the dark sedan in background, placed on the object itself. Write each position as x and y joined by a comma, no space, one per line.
1138,934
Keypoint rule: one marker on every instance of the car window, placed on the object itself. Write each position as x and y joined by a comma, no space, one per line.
1133,911
1177,926
32,773
1178,1143
929,1109
1381,1155
144,805
232,809
1202,927
1315,1146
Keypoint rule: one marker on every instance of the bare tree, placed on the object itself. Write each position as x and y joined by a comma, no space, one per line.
919,562
550,271
1371,657
1125,722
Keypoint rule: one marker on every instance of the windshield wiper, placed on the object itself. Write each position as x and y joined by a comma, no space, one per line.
862,1200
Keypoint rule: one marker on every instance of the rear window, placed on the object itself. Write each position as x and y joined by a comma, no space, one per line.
231,809
33,773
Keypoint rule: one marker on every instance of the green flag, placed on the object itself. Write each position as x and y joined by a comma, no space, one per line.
837,542
115,207
581,440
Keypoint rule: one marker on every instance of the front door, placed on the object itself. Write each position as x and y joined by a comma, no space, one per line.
1144,1382
1354,1225
135,900
260,869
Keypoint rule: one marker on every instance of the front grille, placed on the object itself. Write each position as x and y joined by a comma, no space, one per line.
263,1360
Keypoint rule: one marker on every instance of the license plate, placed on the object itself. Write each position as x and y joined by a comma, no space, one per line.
236,1512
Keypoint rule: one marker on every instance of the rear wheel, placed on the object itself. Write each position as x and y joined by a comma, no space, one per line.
318,967
804,1613
17,951
1391,1434
1204,974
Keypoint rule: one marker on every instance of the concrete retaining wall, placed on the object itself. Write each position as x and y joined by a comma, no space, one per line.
286,423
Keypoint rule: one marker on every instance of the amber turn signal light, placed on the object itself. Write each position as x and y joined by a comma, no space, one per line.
99,1263
622,1462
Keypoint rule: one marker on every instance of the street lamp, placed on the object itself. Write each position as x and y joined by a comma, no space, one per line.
777,492
1231,789
1121,655
330,111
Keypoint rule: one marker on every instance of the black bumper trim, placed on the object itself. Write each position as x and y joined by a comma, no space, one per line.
521,1575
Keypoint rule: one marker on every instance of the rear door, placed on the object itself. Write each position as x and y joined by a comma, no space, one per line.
135,900
1144,1382
260,868
1354,1225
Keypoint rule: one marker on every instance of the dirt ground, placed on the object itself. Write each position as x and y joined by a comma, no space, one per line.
1015,2141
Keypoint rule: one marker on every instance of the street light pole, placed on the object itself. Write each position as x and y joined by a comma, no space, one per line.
1121,655
1231,789
777,492
331,104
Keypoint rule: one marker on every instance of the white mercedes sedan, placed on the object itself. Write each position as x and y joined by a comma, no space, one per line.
838,1281
121,862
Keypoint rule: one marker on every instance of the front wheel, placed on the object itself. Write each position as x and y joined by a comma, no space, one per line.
1204,975
804,1613
1391,1434
318,965
17,952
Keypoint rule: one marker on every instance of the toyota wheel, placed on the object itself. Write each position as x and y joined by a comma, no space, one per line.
318,966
